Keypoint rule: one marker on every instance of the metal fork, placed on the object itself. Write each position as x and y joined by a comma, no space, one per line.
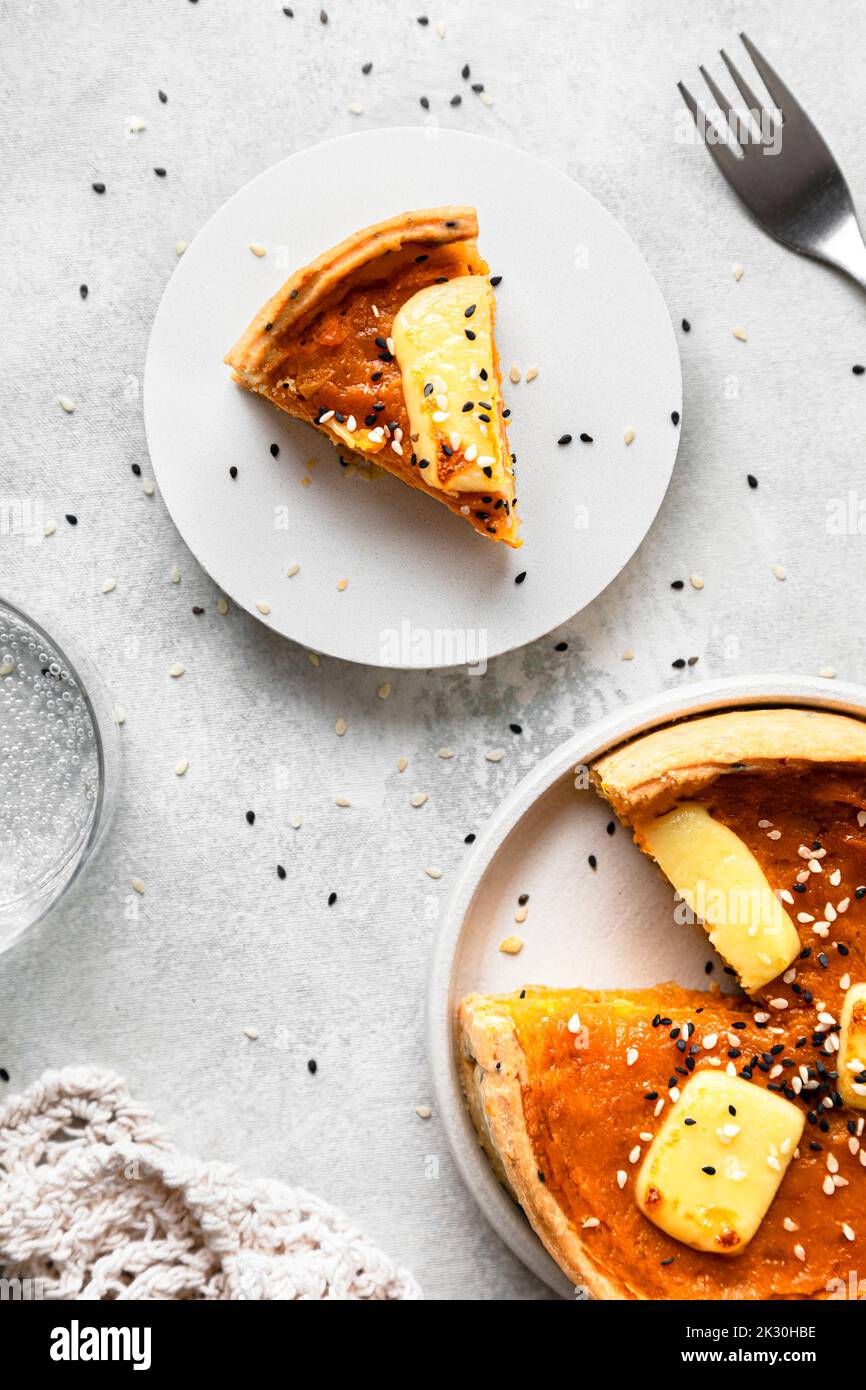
782,170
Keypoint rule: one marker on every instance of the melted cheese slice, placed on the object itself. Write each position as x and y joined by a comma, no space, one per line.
725,886
715,1165
444,370
852,1048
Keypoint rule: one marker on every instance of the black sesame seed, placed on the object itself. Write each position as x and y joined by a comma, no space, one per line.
98,187
366,68
83,291
592,861
423,20
233,472
495,280
456,100
377,376
468,405
281,873
72,518
586,438
689,1121
710,1170
4,1075
332,898
275,449
425,103
478,87
519,578
251,817
678,584
675,416
669,1261
561,647
523,900
136,469
464,71
470,838
467,313
323,16
162,96
470,335
564,439
160,173
678,664
312,1066
197,609
687,327
858,369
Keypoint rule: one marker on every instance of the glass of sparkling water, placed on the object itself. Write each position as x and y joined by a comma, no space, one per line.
58,769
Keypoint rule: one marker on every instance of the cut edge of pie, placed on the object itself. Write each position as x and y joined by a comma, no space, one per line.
479,486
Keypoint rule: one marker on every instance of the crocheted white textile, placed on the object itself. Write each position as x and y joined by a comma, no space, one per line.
97,1202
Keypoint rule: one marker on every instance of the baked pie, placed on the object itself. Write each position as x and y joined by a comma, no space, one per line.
386,345
673,1143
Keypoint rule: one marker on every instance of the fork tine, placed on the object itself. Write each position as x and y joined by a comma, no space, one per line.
719,98
783,99
727,161
754,107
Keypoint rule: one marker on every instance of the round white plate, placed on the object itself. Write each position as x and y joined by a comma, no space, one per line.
577,300
612,927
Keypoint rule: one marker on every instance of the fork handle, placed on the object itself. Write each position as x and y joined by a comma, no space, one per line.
845,248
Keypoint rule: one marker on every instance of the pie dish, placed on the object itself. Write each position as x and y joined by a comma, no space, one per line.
608,1113
385,343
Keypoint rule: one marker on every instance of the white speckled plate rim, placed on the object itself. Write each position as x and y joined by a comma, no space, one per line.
732,692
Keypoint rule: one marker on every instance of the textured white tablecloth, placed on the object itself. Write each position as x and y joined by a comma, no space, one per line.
219,943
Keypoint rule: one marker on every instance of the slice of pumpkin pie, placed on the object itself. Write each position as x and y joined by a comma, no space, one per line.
386,345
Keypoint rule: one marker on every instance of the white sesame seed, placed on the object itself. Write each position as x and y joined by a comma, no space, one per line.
251,1033
445,753
635,1154
589,1224
138,886
621,1178
514,373
66,404
739,334
800,1253
342,801
222,606
119,714
423,1112
433,873
296,822
108,586
827,673
780,572
628,437
631,1056
418,798
181,767
179,247
495,755
848,1231
531,373
176,670
402,764
340,727
342,585
257,248
293,569
264,609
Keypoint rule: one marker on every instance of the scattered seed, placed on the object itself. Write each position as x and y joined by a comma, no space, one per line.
696,581
66,404
780,572
263,608
495,755
181,767
628,437
423,1112
222,605
138,885
342,585
119,714
740,335
531,373
384,690
108,586
433,873
257,248
340,727
514,373
176,670
293,569
737,271
342,801
179,247
402,764
251,1033
418,798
